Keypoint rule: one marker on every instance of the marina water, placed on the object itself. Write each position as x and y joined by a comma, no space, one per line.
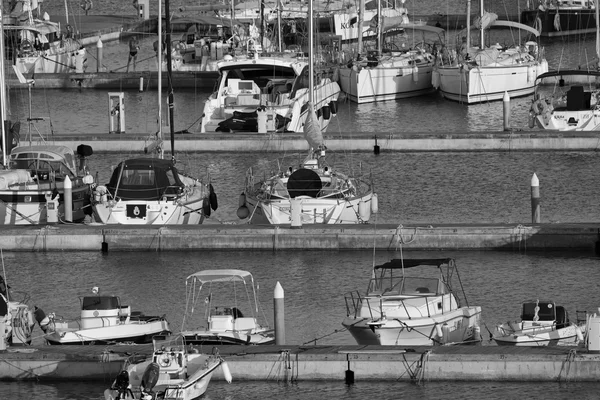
413,188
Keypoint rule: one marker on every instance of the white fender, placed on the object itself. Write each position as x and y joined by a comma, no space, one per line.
226,372
374,204
415,73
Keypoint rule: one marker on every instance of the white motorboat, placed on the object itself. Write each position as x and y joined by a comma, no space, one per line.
104,320
480,74
264,93
405,307
37,45
225,323
542,323
151,190
173,371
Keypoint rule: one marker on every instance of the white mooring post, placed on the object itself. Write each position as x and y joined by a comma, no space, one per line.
278,302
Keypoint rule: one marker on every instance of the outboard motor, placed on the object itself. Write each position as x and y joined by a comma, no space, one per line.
149,380
121,387
43,320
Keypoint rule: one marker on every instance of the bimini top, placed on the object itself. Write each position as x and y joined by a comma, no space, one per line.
221,275
415,262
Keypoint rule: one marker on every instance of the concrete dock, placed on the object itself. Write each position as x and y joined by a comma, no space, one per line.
96,237
327,363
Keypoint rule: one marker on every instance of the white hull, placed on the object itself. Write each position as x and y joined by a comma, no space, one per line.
184,210
133,332
59,63
314,210
385,82
225,338
542,336
489,83
576,121
462,324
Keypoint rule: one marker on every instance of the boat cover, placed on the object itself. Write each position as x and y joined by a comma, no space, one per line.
304,182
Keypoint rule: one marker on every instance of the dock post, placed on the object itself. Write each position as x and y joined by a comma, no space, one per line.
116,112
99,54
506,111
535,199
68,186
278,302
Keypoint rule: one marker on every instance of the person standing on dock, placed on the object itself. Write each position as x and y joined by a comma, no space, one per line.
134,46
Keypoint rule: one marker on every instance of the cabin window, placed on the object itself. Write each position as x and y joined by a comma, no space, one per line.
100,303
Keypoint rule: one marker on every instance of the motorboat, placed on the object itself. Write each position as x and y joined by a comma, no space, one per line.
104,320
38,45
405,306
566,100
399,67
152,191
173,371
225,322
485,73
32,188
320,192
267,92
18,317
543,323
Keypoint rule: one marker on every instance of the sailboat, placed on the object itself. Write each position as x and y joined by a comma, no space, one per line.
151,190
322,193
40,183
485,73
398,72
568,100
37,45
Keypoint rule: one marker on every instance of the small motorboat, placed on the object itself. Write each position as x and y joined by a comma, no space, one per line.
542,323
173,371
104,320
224,324
404,306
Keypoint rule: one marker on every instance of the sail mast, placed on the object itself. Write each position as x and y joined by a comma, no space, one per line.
379,29
159,58
310,54
169,72
3,97
361,13
481,30
597,35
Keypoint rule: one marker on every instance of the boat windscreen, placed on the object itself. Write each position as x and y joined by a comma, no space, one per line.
411,263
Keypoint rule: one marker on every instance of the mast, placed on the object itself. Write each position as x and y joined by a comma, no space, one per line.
169,72
3,97
481,30
361,13
597,35
379,29
468,25
310,54
159,58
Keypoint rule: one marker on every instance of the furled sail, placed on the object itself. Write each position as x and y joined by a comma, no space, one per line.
312,130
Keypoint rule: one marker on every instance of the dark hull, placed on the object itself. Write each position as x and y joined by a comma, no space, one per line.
197,340
572,22
141,339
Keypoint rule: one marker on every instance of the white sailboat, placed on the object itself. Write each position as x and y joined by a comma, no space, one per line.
324,194
151,190
485,73
568,100
403,71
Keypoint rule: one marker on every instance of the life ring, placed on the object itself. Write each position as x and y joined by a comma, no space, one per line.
537,25
164,360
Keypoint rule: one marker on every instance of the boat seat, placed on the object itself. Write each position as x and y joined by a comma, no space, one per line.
221,323
242,324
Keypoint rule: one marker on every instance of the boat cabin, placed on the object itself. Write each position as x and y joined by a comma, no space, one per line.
45,162
102,311
147,179
170,354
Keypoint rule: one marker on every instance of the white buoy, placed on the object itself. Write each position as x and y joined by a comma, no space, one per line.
99,54
374,203
364,211
535,199
68,186
226,372
506,110
141,83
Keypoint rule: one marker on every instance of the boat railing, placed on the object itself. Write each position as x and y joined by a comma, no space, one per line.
353,303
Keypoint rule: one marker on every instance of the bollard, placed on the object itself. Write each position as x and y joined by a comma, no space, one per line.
296,213
68,196
535,199
506,111
99,54
376,147
278,302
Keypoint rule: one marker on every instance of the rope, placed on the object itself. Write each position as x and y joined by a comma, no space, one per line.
324,336
419,375
400,240
566,365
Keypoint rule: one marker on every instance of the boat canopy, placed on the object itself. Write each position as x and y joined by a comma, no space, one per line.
56,156
145,179
398,263
221,275
568,72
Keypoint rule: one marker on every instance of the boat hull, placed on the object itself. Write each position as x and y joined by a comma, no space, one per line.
574,21
385,82
462,327
228,338
138,333
314,210
568,335
483,84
